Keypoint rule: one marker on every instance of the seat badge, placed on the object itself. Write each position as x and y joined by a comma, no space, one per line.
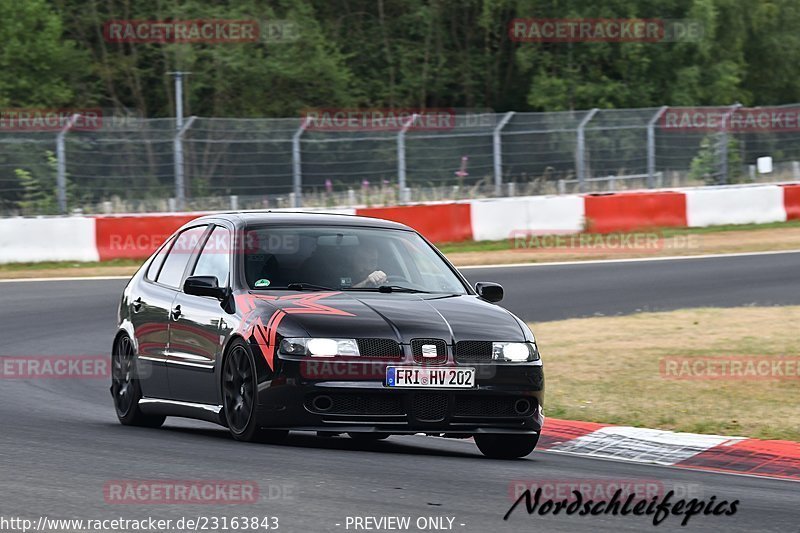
429,350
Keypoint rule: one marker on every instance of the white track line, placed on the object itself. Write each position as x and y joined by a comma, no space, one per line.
630,260
84,278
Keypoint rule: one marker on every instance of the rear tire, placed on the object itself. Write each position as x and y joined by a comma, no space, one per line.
501,446
239,400
125,388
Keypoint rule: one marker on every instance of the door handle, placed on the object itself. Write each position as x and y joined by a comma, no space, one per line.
137,304
176,312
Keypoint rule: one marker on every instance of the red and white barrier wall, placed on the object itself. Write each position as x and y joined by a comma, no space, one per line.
92,238
32,240
502,218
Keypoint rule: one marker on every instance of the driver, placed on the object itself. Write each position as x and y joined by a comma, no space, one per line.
365,267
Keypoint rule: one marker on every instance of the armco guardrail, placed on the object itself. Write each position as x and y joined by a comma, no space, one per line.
136,236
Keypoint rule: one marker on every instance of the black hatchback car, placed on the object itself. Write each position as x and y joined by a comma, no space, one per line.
270,322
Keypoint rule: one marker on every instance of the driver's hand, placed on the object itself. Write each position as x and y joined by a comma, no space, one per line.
377,278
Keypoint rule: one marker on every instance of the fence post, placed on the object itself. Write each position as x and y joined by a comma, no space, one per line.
180,187
401,159
580,151
498,153
297,165
61,166
651,147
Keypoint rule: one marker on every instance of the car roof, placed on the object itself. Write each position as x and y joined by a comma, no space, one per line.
255,218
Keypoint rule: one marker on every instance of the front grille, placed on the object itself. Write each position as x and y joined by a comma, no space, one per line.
474,352
430,407
379,348
360,404
492,406
419,356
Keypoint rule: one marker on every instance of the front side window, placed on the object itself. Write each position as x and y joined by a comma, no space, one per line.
158,260
214,259
178,257
345,258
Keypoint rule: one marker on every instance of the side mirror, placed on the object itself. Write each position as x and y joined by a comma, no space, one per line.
492,292
203,286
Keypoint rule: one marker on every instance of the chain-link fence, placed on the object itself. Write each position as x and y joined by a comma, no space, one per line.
140,165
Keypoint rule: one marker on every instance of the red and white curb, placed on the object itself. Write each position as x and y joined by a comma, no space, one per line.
738,455
136,236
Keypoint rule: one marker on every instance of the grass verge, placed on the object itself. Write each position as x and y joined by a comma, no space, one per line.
491,246
606,369
651,243
56,269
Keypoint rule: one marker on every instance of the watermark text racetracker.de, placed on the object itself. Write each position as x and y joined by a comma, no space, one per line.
133,244
50,120
397,119
654,499
609,30
55,367
379,119
210,31
730,368
150,523
734,120
192,492
569,242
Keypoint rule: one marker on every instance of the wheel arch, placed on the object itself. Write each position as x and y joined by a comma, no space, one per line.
263,372
125,328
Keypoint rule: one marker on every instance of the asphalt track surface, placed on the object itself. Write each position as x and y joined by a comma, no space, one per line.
60,441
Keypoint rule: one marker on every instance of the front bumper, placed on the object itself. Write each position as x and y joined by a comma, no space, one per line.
507,399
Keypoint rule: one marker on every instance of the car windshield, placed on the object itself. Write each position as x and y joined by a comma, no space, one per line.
345,258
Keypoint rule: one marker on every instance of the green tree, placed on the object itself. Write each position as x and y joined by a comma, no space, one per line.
38,66
707,164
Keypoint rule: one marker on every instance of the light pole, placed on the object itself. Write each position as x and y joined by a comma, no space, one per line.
180,188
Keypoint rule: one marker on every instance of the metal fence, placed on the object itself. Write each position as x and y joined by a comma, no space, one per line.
139,165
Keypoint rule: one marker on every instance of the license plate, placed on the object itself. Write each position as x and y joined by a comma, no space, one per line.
431,378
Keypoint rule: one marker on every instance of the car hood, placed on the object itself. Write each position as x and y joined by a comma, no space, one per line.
398,316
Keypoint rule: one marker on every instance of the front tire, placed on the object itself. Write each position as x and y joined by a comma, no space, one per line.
239,400
125,388
501,446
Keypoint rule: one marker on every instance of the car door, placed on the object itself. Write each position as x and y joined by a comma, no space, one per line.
151,308
199,327
149,314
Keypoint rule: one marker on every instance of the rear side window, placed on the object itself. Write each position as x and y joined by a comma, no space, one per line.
214,260
158,260
172,271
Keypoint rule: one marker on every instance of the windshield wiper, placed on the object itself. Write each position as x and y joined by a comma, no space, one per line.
389,288
300,286
400,288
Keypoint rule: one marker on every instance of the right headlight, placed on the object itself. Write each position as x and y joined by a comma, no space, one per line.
514,352
320,347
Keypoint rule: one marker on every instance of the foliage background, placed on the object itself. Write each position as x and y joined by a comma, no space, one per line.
396,53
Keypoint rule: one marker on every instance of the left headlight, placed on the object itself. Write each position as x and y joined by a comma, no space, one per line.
320,347
514,352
